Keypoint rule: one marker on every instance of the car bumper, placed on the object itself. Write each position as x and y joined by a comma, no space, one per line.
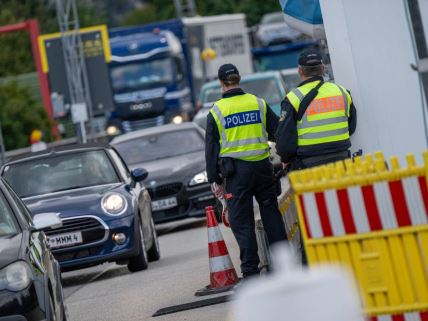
191,203
86,255
21,306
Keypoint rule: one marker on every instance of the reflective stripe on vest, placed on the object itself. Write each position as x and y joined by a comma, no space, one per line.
253,148
326,118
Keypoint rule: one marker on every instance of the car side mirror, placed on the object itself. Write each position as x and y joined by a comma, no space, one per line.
46,220
139,174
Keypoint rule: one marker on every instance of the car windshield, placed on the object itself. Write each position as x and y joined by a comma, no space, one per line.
291,81
159,146
266,88
7,220
211,95
60,173
142,74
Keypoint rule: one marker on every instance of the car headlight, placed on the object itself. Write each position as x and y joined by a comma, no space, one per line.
199,178
15,277
112,130
114,204
177,119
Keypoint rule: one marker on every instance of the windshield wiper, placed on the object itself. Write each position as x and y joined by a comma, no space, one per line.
67,188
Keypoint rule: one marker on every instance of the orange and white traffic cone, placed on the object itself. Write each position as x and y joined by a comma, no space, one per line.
223,275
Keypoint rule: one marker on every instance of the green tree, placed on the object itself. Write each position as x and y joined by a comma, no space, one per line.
158,10
254,10
19,115
15,54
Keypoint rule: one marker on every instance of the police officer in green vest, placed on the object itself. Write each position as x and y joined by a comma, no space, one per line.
317,118
237,154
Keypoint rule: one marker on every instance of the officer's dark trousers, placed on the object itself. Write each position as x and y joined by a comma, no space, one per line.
253,179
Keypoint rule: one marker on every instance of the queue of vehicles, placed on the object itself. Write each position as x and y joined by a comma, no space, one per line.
149,75
72,207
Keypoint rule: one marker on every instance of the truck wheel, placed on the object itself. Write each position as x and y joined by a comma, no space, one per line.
139,262
154,252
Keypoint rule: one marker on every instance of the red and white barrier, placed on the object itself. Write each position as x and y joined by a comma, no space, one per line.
368,208
415,316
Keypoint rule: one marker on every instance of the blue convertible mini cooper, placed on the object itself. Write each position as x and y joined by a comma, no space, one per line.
105,209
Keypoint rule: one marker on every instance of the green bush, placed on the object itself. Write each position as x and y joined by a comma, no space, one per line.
20,113
158,10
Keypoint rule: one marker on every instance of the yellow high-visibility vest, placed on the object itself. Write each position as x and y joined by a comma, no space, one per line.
326,118
241,122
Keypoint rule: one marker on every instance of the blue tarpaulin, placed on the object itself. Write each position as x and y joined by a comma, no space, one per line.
308,11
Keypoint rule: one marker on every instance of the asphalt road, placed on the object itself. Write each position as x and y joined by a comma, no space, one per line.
109,292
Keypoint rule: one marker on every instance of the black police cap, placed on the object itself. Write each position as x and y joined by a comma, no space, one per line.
226,70
310,57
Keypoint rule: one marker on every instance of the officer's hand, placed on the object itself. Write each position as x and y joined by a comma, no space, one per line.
285,165
217,190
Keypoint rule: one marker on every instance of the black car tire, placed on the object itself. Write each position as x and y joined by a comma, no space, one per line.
64,308
139,262
50,313
154,252
64,314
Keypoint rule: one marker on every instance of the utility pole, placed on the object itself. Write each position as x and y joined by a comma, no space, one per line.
74,59
185,8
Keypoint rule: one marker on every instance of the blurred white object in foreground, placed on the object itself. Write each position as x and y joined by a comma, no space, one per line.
39,146
324,293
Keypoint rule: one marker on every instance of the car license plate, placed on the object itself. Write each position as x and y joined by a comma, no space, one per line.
164,204
66,239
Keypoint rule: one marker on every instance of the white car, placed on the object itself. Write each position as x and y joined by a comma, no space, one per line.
274,30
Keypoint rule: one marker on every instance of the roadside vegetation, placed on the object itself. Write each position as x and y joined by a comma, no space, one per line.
20,109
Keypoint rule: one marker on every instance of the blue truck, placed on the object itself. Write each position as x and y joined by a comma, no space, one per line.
156,69
150,79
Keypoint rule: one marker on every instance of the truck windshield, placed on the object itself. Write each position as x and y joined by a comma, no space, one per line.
60,173
147,74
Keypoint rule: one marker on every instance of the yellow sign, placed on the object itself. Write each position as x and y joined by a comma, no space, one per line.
92,48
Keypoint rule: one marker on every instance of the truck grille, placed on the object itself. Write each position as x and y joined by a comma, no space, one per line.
91,228
131,125
165,190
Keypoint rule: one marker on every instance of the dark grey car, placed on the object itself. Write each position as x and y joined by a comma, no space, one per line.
175,159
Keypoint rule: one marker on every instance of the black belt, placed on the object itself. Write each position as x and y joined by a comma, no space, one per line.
312,161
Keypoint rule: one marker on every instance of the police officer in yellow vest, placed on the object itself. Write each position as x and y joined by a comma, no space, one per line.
237,151
317,118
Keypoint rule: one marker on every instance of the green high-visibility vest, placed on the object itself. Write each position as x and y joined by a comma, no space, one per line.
326,118
241,122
